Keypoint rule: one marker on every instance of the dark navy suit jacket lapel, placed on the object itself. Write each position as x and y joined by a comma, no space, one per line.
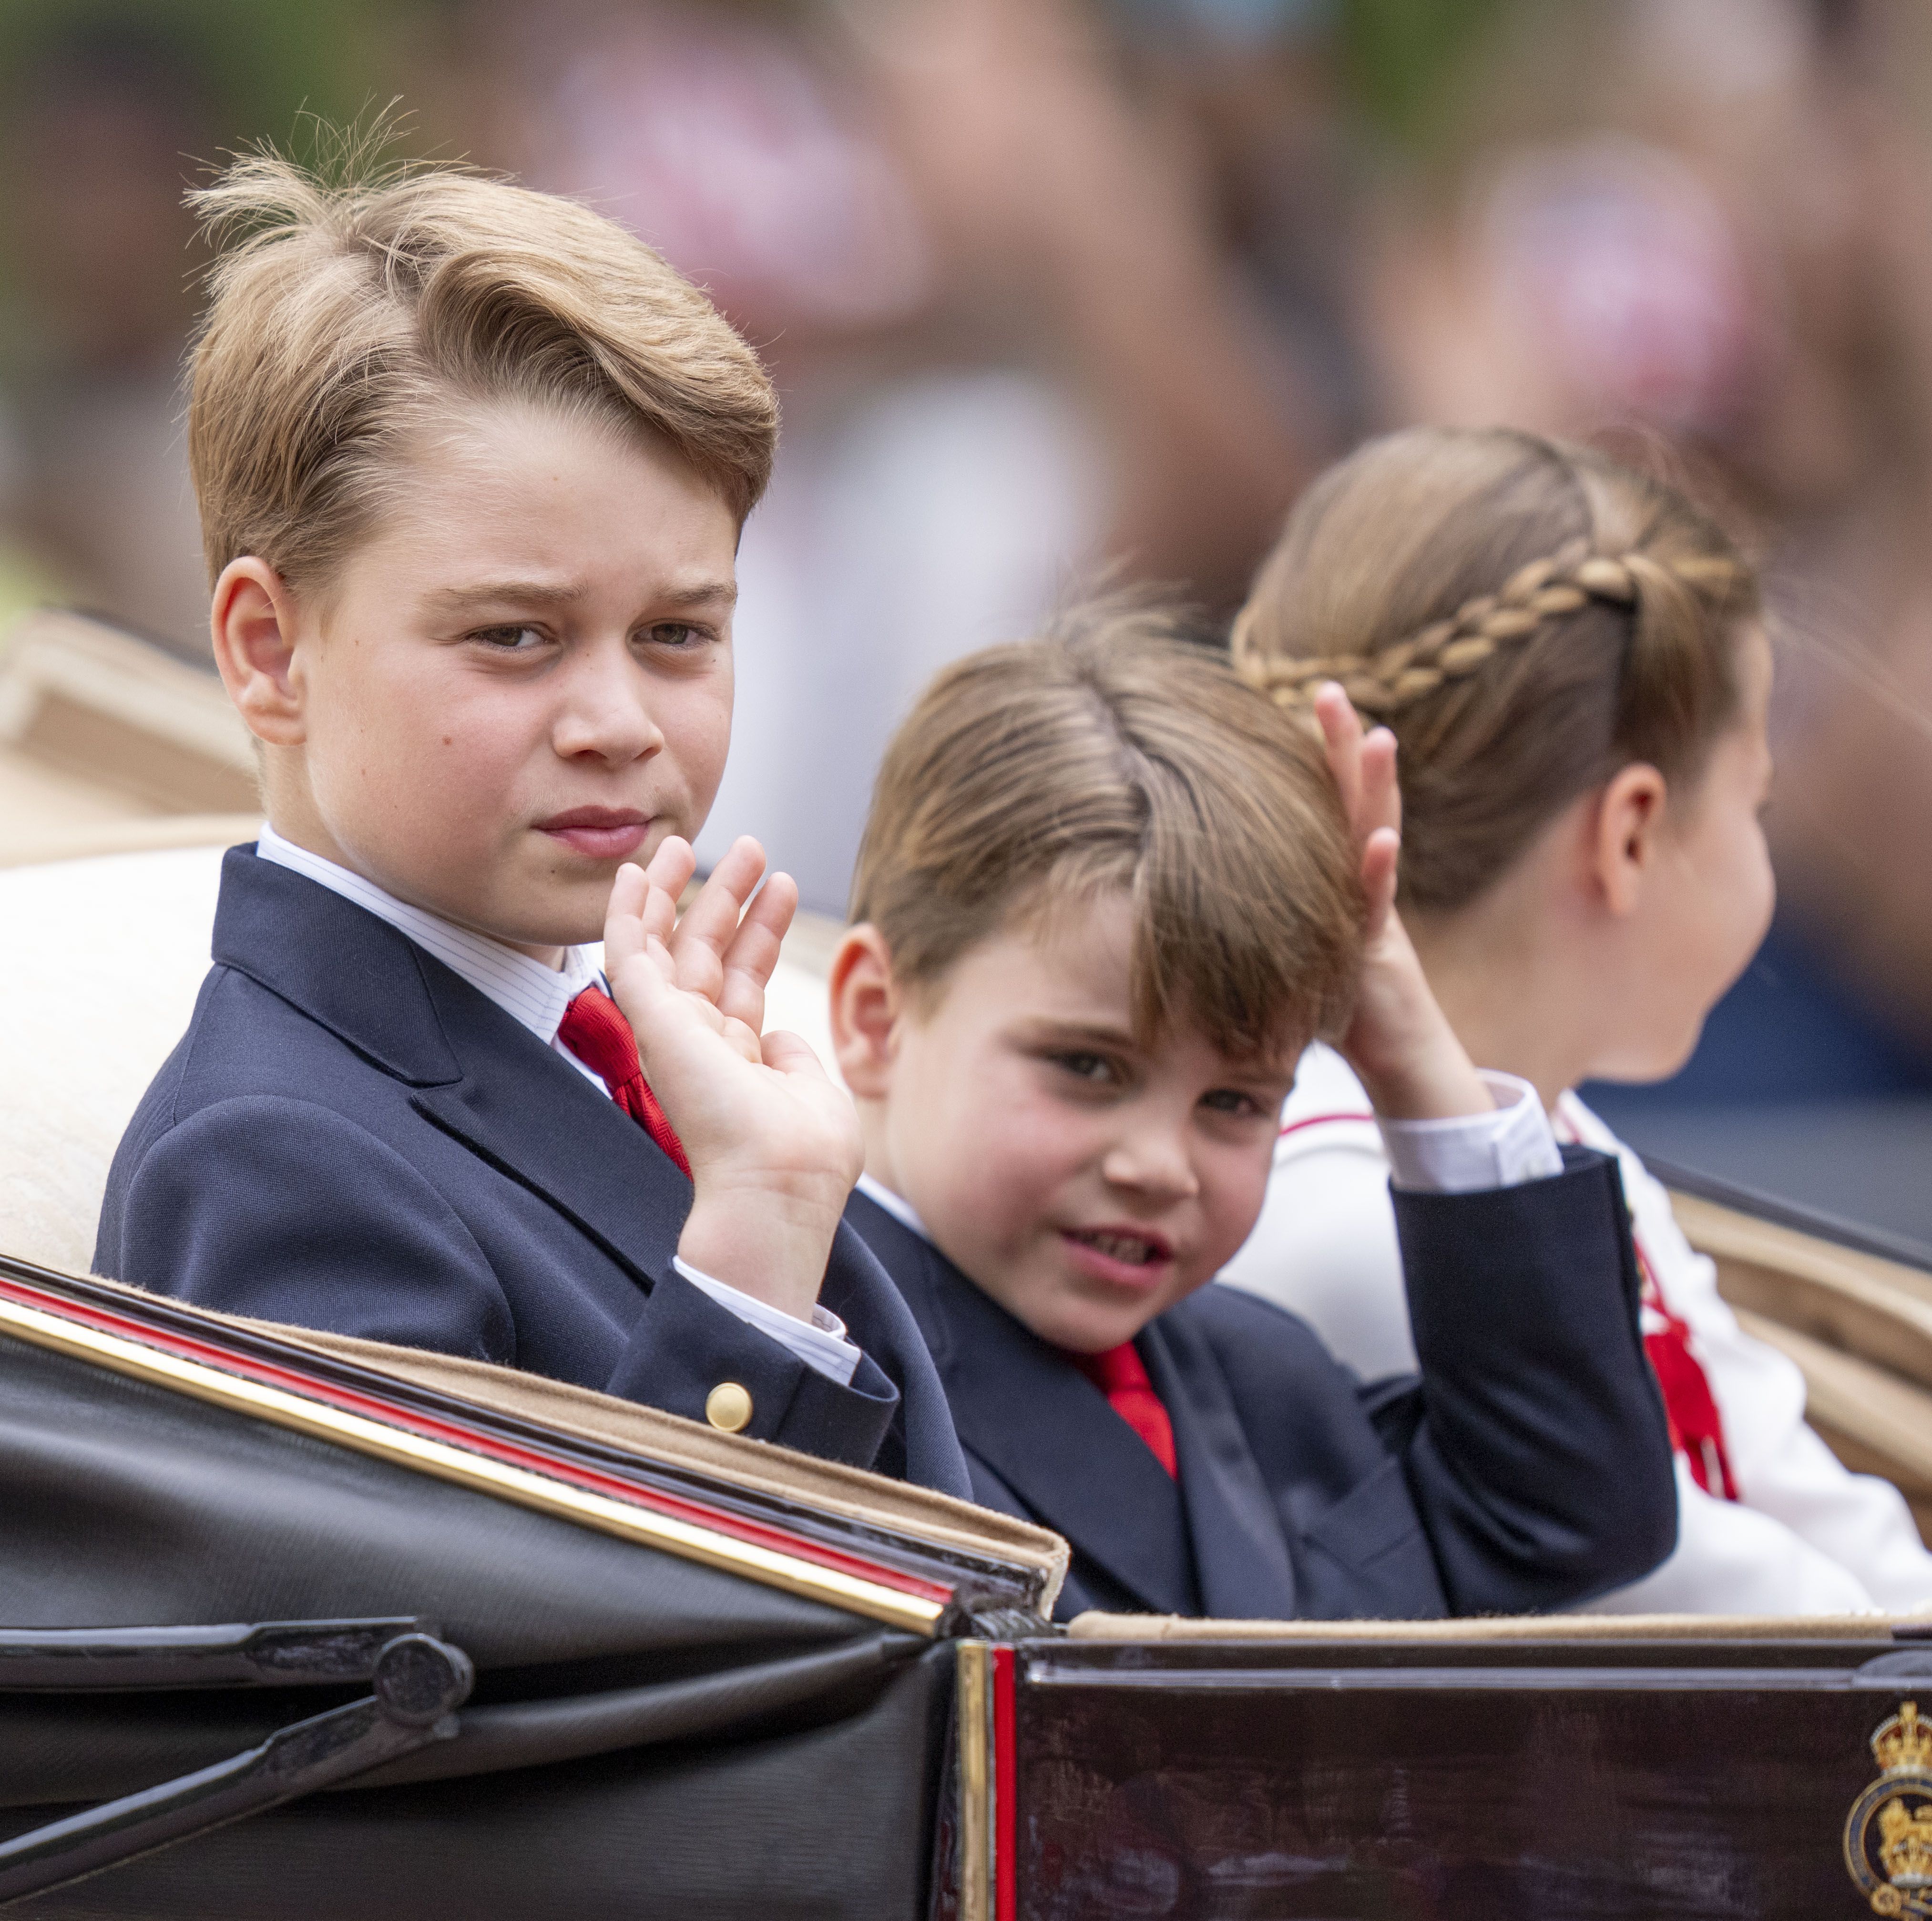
1036,1420
477,1073
1241,1561
526,1110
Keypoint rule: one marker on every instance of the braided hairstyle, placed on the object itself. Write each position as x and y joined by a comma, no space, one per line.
1527,615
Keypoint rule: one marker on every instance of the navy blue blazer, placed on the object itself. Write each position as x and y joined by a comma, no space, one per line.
1529,1466
350,1136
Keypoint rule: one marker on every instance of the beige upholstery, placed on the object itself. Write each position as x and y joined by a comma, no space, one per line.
1880,1309
84,702
85,837
101,959
1873,1420
1859,1326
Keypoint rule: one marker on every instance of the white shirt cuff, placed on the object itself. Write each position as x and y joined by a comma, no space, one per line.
1472,1152
821,1343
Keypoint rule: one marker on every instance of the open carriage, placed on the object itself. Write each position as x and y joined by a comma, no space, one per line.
295,1626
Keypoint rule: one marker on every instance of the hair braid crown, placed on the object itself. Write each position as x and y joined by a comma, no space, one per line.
1451,648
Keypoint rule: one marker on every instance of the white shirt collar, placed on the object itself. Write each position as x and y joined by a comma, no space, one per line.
900,1209
527,991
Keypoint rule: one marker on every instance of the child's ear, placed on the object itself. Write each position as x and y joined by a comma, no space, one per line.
1629,820
253,623
864,1011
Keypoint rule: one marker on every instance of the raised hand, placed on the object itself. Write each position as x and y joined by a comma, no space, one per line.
773,1142
1399,1042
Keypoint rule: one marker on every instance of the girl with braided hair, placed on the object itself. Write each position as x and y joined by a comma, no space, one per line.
1571,660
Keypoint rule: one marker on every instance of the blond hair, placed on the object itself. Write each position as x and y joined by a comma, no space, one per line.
345,311
1527,615
1112,753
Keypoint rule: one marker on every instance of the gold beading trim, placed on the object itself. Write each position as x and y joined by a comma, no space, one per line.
973,1712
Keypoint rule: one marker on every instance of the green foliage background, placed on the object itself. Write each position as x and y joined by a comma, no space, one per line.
266,61
1408,64
263,61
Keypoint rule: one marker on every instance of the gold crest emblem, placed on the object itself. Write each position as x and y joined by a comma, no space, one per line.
1889,1832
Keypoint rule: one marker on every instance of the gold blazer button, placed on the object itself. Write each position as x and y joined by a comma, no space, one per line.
729,1406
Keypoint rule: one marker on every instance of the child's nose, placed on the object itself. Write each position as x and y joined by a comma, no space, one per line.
606,709
1153,1159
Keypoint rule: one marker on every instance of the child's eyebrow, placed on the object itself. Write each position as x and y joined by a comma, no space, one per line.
542,593
1101,1032
713,593
556,593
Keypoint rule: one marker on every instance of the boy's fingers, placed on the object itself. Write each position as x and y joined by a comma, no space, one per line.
642,988
659,918
1342,735
1382,854
665,878
652,983
672,865
667,1022
1381,799
713,918
754,951
790,1053
623,918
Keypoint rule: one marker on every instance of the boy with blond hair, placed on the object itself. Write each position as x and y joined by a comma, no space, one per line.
1107,894
471,464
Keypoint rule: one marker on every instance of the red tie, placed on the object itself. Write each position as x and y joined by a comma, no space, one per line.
597,1033
1121,1375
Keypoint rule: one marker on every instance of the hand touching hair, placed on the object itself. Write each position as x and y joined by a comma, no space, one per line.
1527,616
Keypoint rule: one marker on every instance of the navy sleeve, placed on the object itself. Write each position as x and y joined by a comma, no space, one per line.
287,1211
684,1344
1537,1450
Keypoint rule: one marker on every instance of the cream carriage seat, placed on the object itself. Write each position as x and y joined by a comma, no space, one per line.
103,948
100,958
1859,1326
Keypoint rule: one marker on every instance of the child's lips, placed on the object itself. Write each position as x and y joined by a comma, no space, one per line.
1126,1256
603,833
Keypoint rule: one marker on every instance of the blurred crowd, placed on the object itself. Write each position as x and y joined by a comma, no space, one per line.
1059,289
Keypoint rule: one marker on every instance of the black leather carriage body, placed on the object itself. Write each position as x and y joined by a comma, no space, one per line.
300,1628
296,1627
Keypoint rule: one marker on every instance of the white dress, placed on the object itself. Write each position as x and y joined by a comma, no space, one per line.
1804,1537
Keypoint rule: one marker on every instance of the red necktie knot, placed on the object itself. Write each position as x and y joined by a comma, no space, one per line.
594,1030
1120,1374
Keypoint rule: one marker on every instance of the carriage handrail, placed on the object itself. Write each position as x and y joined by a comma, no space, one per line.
1781,1212
417,1684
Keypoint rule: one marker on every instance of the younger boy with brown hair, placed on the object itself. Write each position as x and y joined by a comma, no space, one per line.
1106,895
471,464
